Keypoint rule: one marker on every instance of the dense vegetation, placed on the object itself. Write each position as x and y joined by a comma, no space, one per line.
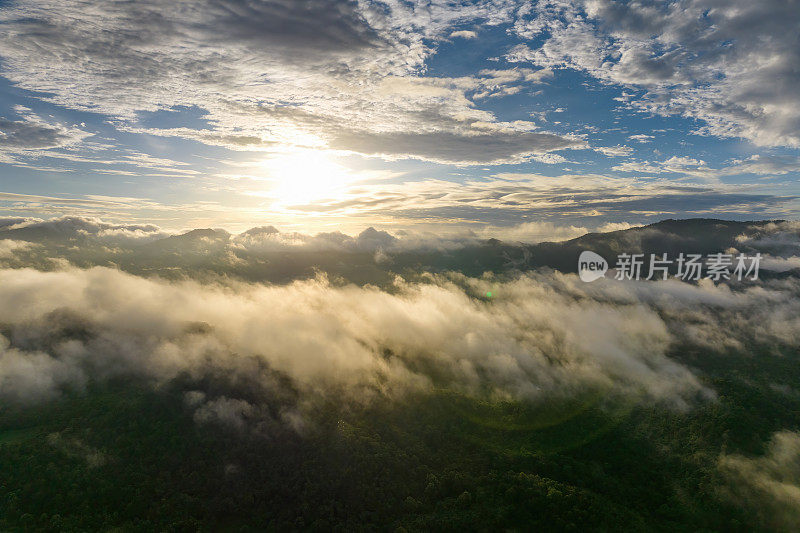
126,456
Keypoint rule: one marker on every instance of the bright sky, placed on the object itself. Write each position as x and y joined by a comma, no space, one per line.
334,114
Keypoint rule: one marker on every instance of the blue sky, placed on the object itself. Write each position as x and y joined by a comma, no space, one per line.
489,115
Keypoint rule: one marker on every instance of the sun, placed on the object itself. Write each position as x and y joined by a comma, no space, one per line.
304,176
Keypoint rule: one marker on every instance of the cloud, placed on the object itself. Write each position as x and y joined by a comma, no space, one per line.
614,151
675,164
454,148
75,447
464,34
615,226
268,73
27,376
780,238
73,228
550,159
730,64
533,232
542,334
68,325
780,264
32,135
227,411
777,165
9,248
770,485
502,199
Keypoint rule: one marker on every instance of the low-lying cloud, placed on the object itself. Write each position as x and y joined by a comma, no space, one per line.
518,333
540,335
64,328
770,484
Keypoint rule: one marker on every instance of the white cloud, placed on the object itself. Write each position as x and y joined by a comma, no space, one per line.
675,165
770,485
614,151
733,65
74,227
32,133
541,333
464,34
780,264
473,149
351,338
641,137
268,73
503,198
534,232
9,248
615,226
31,137
550,159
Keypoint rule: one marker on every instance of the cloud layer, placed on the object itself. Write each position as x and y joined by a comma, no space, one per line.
274,72
769,484
70,326
539,336
731,64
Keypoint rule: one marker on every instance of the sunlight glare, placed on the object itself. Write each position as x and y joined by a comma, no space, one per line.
304,176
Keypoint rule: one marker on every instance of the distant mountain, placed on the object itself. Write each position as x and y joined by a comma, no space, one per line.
194,241
373,256
698,236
